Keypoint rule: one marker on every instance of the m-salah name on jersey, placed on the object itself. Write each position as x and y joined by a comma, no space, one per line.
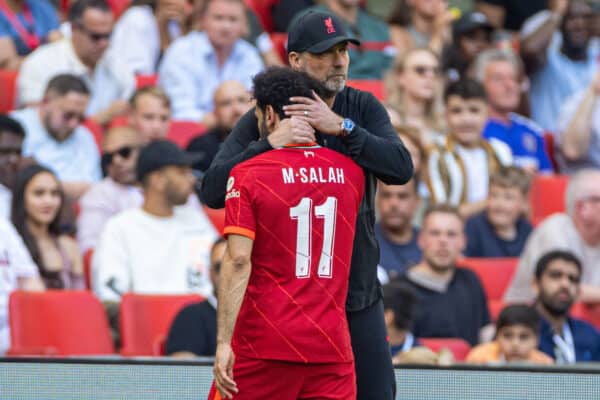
313,175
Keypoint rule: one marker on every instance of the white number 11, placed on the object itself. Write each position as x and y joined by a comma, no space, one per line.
303,214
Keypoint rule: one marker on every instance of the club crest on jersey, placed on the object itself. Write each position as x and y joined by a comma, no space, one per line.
329,25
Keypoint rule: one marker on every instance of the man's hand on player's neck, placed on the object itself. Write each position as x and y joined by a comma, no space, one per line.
291,130
316,112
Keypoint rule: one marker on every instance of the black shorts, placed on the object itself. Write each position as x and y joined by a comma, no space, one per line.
375,377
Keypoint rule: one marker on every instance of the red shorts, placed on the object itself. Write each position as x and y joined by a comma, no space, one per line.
280,380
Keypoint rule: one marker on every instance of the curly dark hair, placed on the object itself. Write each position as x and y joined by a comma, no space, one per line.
276,85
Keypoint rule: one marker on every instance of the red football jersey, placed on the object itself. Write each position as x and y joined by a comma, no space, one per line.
299,205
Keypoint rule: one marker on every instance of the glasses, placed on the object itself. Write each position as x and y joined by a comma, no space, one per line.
94,36
422,70
123,152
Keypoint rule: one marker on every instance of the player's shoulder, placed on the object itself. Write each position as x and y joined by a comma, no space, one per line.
527,124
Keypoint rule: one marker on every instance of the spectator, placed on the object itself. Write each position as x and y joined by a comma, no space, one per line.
156,248
410,137
499,73
399,302
510,14
190,84
156,24
150,113
516,339
578,134
421,24
11,144
558,70
413,87
395,233
375,54
116,192
19,272
56,138
501,229
36,206
472,34
232,100
24,25
578,231
448,178
81,55
556,287
194,329
451,300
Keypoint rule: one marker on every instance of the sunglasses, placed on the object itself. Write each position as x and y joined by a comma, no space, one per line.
94,36
422,70
123,152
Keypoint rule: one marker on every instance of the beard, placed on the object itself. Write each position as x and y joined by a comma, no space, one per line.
333,86
554,307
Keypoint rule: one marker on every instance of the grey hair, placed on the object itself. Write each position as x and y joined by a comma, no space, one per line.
494,55
575,188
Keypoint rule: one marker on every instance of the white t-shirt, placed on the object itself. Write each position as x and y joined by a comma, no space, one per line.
5,201
15,263
141,253
475,161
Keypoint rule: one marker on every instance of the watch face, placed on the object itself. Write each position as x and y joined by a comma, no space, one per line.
348,125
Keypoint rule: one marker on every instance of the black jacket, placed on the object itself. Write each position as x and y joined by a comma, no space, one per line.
373,144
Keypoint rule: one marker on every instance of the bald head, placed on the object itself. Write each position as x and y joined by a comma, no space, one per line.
231,100
120,148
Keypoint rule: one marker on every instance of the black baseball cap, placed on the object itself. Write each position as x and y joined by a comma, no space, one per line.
162,153
316,32
471,21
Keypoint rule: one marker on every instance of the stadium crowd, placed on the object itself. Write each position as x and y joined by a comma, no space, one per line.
497,101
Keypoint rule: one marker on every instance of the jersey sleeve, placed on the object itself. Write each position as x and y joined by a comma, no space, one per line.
240,218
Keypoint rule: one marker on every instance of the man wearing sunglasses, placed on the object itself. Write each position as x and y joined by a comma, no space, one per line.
56,138
82,54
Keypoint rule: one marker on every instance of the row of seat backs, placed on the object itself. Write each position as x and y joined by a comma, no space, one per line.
66,322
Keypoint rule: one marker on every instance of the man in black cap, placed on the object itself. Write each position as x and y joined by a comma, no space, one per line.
158,247
356,124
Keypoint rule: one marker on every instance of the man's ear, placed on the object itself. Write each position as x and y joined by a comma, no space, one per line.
294,60
271,116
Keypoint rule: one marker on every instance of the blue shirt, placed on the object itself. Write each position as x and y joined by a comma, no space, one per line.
45,20
586,339
190,73
76,159
482,240
558,79
525,138
397,258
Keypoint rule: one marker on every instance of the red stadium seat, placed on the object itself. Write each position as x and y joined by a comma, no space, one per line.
8,90
279,40
458,347
495,275
146,80
587,312
145,319
96,130
182,132
547,196
217,217
87,267
58,322
550,149
374,86
262,8
118,6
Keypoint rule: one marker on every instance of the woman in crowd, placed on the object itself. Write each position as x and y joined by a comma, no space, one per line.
414,88
36,208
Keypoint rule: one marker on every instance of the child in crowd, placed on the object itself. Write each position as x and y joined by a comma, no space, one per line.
516,340
460,164
501,229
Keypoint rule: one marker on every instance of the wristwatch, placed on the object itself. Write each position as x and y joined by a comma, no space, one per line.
347,127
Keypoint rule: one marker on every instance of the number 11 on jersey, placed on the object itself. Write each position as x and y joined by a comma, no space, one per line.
303,214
